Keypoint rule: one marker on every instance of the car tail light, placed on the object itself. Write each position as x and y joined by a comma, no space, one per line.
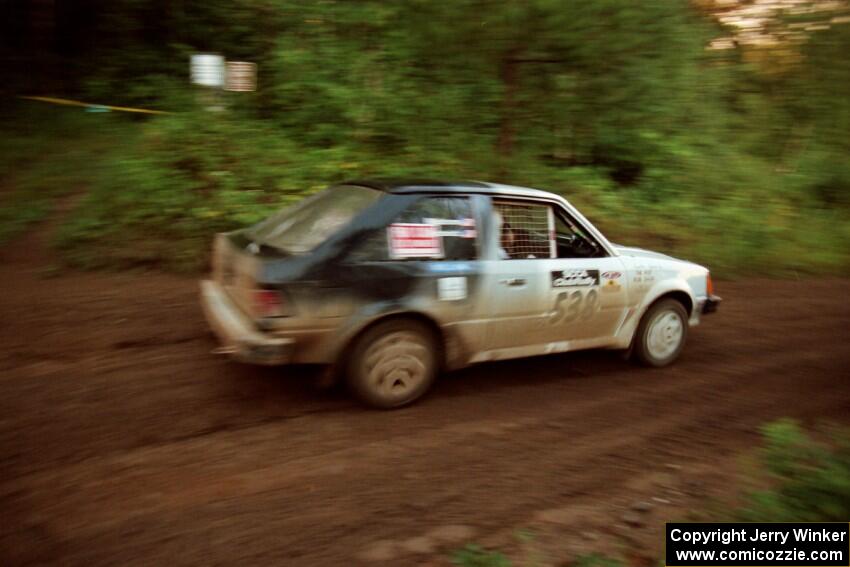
268,303
709,285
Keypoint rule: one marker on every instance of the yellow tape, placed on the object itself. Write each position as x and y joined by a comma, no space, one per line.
67,102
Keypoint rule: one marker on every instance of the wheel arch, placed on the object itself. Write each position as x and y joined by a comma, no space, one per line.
636,349
423,318
679,295
672,289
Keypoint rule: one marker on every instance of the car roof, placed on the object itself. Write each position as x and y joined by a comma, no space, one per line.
437,186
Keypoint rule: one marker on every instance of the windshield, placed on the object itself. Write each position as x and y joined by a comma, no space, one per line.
301,228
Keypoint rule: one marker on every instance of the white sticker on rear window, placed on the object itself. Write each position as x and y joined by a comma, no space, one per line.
414,240
454,228
451,289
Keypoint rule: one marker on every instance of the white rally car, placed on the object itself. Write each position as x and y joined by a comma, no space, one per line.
389,282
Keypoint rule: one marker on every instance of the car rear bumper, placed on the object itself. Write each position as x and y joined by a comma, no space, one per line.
237,334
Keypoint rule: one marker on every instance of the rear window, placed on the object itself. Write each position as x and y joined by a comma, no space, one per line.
302,227
433,228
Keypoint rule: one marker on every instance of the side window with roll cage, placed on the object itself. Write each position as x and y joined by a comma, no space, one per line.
528,230
524,229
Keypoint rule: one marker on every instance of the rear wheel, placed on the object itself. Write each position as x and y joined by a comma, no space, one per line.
393,363
662,333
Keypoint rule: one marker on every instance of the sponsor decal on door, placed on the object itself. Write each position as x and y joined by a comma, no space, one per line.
575,278
612,281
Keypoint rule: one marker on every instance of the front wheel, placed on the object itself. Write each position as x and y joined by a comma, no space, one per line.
393,363
662,333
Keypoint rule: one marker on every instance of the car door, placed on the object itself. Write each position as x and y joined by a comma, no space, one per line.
551,282
588,293
513,275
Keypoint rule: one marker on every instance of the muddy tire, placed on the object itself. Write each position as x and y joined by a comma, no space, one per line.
393,364
662,334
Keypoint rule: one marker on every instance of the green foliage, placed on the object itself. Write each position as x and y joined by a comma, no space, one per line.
158,200
45,156
156,191
475,556
808,481
616,104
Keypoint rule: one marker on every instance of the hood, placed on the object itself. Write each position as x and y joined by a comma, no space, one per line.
640,253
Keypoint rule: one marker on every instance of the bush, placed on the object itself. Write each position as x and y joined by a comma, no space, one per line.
156,189
807,481
49,154
475,556
159,200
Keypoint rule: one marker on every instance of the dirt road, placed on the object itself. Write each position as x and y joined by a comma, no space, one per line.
124,441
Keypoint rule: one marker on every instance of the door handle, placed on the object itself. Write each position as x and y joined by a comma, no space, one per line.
513,281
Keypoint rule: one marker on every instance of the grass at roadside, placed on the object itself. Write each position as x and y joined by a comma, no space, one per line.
157,189
48,153
475,556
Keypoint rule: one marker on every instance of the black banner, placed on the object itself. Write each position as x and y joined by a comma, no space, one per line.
758,544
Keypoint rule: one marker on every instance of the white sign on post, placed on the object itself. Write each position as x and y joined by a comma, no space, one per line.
240,76
207,70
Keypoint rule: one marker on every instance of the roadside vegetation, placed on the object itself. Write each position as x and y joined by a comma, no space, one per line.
45,154
736,158
801,479
798,477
